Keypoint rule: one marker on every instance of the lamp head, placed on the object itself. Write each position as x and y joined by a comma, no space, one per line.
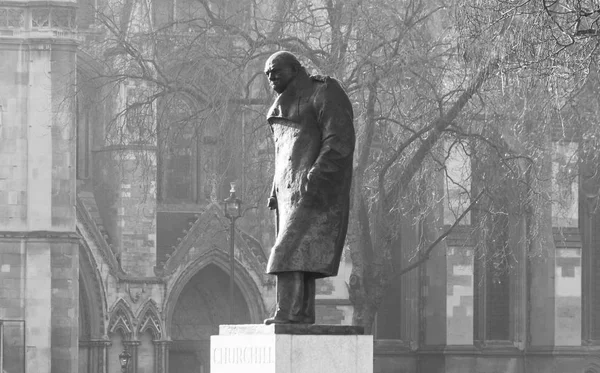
232,205
124,358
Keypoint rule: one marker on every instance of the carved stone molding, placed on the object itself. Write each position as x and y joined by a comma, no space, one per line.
84,218
97,354
161,353
32,16
12,17
41,235
149,319
208,224
85,221
94,303
121,320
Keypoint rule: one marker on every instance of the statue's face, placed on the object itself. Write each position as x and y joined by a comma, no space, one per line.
280,73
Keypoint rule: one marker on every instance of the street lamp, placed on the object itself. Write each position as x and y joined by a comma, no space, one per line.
232,207
124,358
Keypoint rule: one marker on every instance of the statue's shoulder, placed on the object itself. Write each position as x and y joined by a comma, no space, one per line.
329,89
326,83
320,78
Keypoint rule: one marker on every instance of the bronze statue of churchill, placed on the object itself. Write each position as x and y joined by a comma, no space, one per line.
311,120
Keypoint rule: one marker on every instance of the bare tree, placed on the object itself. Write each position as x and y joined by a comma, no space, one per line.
425,77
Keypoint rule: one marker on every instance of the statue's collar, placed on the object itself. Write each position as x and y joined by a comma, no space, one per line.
297,86
286,103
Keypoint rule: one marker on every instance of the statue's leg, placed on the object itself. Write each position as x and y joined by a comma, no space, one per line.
290,294
310,288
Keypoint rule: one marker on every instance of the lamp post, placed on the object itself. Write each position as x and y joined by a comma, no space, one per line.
232,208
124,358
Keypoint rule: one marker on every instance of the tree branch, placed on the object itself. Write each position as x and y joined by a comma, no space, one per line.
439,125
432,246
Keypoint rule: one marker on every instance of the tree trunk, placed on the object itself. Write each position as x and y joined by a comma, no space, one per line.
372,271
361,249
364,314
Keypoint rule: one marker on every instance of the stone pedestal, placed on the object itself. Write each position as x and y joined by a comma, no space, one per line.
291,349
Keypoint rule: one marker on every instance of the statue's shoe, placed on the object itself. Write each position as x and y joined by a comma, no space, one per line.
308,320
277,319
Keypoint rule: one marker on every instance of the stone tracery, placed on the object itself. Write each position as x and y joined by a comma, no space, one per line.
121,320
149,320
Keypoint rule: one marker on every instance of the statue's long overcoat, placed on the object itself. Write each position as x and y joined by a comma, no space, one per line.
314,138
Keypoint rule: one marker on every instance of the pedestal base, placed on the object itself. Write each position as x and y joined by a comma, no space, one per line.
290,348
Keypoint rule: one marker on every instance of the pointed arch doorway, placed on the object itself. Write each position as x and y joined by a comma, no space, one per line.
201,307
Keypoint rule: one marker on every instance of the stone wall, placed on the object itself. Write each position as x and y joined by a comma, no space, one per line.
12,270
14,81
40,289
459,303
125,190
568,297
332,304
462,353
64,263
38,245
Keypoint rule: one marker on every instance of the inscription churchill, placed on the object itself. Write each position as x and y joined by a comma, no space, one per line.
311,120
247,355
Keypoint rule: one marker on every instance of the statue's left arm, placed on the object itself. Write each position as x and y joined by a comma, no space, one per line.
335,120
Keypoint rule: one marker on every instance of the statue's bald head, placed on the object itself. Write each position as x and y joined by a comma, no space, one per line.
281,68
285,58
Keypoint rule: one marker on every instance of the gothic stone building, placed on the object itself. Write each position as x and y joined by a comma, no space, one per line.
91,262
